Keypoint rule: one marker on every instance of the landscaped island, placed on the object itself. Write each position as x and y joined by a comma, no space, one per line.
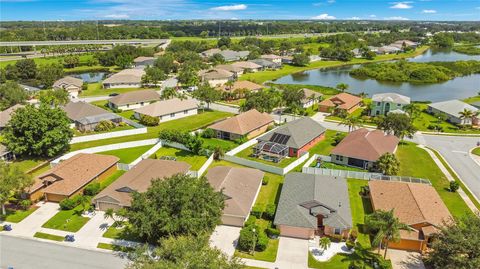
403,71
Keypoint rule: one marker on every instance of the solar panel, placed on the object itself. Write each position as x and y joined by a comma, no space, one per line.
280,138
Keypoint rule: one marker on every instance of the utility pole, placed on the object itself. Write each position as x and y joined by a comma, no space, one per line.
44,31
219,29
97,32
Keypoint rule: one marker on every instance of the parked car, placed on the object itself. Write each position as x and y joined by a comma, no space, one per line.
113,94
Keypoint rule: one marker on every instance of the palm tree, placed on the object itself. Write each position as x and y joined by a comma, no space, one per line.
351,122
169,93
413,110
324,243
386,226
342,87
466,114
218,153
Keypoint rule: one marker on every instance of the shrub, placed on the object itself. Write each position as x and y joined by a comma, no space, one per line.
257,211
246,241
241,140
149,120
250,221
67,204
262,241
104,125
92,189
454,186
25,203
272,232
208,133
338,138
336,237
270,211
350,244
265,180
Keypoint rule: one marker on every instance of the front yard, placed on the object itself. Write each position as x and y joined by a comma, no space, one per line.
195,161
128,155
17,215
67,220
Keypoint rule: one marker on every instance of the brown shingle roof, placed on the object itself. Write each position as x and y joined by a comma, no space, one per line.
126,76
139,178
309,93
135,97
6,115
68,81
72,174
366,145
215,74
243,123
229,68
413,203
247,65
239,185
167,106
243,84
342,100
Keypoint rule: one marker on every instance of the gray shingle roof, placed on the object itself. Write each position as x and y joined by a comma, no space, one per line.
452,107
391,97
301,131
305,195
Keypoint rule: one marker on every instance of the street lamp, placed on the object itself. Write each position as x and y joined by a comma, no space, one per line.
254,241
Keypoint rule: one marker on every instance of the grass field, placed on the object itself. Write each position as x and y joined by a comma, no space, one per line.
360,207
195,161
226,145
473,99
124,233
95,89
48,236
325,146
416,162
116,129
190,123
128,155
247,154
269,254
476,151
328,165
114,247
15,216
67,220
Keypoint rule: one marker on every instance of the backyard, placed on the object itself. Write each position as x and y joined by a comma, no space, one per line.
325,146
247,154
128,155
196,161
115,129
95,89
360,207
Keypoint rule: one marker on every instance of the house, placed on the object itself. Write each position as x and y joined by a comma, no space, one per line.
170,109
401,43
312,205
209,53
476,104
248,65
383,103
240,188
133,100
362,148
266,64
72,85
357,53
216,77
287,59
311,98
292,139
416,204
231,55
242,84
85,117
127,78
29,89
6,115
272,58
451,109
343,101
70,177
237,71
5,154
170,83
388,50
139,178
248,124
143,61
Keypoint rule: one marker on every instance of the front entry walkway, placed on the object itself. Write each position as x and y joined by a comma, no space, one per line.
402,259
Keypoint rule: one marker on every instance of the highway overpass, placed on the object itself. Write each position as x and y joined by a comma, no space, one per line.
85,42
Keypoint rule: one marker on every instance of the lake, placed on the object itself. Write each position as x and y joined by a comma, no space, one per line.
91,77
458,88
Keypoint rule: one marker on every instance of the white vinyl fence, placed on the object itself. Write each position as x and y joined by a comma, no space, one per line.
86,138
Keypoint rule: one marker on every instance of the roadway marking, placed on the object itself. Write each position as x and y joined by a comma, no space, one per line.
457,151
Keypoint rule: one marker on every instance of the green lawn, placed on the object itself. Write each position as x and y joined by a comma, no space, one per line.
49,236
325,146
195,161
67,220
114,247
190,123
15,216
247,154
27,164
128,114
473,99
328,165
270,75
416,162
424,120
226,145
124,233
269,254
109,180
95,89
360,207
476,151
128,155
117,128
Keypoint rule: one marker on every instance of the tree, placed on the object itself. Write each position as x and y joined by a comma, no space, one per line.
413,110
207,94
216,58
188,77
351,122
13,180
293,96
183,252
467,114
388,164
124,61
300,59
263,101
178,205
218,153
70,61
224,41
454,186
342,87
148,120
55,97
38,132
11,72
166,63
11,94
47,74
169,93
386,228
153,75
26,69
398,124
443,40
324,243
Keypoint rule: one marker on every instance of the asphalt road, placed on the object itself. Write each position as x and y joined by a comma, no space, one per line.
82,42
21,253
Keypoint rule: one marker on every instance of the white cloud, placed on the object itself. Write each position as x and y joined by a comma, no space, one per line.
324,16
353,18
429,11
117,16
402,5
396,18
230,8
372,16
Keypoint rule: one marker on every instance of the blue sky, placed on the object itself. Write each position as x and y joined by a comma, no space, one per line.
247,9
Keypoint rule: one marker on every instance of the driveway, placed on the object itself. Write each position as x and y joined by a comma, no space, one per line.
292,253
405,260
225,238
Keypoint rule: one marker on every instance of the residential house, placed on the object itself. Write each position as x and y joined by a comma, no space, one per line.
216,77
237,71
388,50
29,89
344,101
69,177
292,139
313,205
242,84
170,83
476,104
240,188
248,66
170,109
311,98
6,115
139,178
407,43
231,55
143,61
362,148
416,204
85,117
71,84
266,64
287,59
248,124
5,154
133,100
209,53
357,53
451,109
383,103
272,58
127,78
